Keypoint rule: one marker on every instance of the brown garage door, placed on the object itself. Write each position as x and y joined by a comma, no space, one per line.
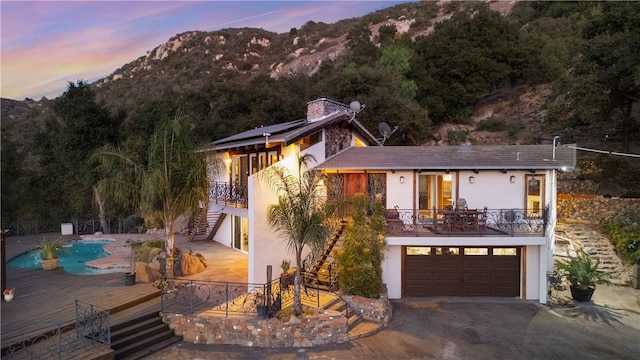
458,271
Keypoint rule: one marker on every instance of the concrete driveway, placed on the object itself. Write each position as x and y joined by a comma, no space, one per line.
467,329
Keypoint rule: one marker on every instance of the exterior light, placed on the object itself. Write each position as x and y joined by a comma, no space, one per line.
512,179
471,179
401,179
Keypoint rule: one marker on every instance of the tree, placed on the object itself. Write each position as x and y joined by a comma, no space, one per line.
301,213
172,181
80,126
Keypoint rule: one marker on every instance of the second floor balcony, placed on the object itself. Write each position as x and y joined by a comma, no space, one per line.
229,194
465,222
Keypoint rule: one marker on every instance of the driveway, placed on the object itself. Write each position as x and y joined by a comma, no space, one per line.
465,329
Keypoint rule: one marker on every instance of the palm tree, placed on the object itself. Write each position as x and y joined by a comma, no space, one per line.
301,213
173,180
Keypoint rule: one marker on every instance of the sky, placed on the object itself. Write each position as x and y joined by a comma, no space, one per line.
46,44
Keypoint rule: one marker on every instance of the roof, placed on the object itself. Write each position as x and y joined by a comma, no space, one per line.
287,133
501,157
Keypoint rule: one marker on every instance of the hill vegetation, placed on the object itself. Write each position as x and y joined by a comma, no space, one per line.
444,73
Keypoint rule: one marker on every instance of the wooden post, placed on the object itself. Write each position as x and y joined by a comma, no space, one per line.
4,258
269,275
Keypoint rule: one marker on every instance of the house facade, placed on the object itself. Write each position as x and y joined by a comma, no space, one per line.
462,220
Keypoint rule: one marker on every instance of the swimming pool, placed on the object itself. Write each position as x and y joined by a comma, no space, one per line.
73,260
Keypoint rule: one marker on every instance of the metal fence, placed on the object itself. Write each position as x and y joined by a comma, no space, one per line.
127,225
92,330
192,296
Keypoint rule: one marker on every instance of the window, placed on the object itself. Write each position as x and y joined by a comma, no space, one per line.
535,185
447,251
413,250
505,251
311,140
476,251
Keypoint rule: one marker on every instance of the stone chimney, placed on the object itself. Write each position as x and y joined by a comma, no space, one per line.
319,108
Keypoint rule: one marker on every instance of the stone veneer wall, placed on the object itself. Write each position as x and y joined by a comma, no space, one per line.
321,107
336,139
593,208
326,327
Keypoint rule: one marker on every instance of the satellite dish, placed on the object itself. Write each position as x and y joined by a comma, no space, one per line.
355,106
385,129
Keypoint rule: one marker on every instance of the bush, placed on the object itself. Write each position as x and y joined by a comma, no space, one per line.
457,136
624,234
492,125
360,258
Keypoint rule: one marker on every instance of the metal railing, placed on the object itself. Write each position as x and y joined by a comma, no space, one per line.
188,297
80,227
483,222
92,329
231,194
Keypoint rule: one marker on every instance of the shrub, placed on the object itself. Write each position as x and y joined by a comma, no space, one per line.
492,125
624,234
360,258
457,136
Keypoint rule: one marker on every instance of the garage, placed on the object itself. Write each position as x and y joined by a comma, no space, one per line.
461,271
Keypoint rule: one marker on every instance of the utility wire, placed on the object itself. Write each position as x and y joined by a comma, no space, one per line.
603,151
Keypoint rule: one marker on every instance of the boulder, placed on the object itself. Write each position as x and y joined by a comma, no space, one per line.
190,264
147,273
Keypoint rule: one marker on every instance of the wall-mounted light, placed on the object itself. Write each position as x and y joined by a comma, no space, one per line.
472,179
401,179
512,179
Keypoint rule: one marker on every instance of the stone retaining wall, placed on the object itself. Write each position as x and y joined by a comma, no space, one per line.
325,327
593,208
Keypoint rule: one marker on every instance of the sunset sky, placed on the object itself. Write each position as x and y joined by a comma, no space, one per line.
45,44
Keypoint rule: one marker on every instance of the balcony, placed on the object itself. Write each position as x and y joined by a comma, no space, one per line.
229,194
468,222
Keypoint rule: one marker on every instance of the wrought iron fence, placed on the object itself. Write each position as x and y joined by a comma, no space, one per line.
192,296
480,222
80,227
92,329
226,193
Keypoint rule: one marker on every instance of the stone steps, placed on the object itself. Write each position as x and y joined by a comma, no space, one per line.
587,237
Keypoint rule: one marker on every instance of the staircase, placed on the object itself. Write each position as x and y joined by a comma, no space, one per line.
215,218
358,327
139,337
322,266
200,225
587,237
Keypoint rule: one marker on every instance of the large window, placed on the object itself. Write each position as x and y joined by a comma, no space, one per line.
434,191
534,201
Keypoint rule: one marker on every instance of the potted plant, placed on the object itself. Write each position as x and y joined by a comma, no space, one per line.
261,306
583,274
49,250
286,278
8,294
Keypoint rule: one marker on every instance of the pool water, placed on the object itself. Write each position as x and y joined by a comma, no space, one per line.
73,260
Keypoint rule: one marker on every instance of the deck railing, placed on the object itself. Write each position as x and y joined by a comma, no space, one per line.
229,193
476,222
225,298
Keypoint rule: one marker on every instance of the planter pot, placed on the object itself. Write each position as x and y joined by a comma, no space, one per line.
8,297
129,279
582,295
262,310
50,264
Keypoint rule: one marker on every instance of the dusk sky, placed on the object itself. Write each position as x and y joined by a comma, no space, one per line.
46,44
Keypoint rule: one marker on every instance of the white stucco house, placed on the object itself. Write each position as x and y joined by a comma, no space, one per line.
462,220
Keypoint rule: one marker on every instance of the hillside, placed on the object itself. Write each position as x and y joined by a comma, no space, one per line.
444,73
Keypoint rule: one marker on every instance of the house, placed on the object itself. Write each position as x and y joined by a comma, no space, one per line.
462,220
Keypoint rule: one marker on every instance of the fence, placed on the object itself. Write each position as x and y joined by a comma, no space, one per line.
191,296
80,227
92,329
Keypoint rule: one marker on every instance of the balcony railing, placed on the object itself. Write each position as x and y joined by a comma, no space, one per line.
474,222
230,194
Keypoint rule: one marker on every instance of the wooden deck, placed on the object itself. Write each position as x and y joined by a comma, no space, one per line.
44,299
